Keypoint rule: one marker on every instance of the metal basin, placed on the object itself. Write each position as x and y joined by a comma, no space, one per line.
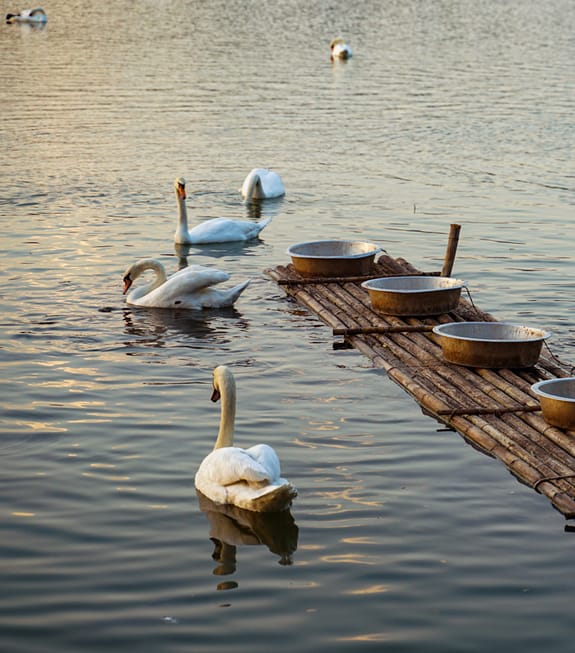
417,296
490,344
333,258
557,399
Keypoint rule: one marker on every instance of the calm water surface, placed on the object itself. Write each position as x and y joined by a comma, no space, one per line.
403,538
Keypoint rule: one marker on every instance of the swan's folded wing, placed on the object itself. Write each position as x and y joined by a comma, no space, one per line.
192,279
231,465
267,458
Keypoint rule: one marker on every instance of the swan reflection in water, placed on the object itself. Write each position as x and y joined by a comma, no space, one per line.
154,328
231,527
215,251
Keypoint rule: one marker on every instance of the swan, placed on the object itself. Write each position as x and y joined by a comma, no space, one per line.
191,287
216,230
37,15
262,183
339,49
246,478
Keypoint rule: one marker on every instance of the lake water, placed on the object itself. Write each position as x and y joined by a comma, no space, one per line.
403,538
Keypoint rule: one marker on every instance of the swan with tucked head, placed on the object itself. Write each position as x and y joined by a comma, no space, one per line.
36,15
261,184
246,478
339,49
216,230
192,287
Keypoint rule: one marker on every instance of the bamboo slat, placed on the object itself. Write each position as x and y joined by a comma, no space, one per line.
493,410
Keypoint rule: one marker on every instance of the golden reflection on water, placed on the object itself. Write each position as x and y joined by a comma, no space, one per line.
104,477
45,427
346,495
369,637
371,589
350,559
358,540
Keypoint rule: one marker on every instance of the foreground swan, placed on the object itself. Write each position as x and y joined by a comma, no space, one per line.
37,15
246,478
191,287
217,230
339,49
261,184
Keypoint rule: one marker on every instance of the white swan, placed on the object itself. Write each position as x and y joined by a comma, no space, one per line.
216,230
246,478
262,183
339,49
37,15
191,287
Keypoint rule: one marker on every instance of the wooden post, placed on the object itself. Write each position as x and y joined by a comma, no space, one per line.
451,250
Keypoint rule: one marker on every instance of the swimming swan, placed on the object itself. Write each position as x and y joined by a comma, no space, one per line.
217,230
191,287
262,184
339,49
246,478
37,15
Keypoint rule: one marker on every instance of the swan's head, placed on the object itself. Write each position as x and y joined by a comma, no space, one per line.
223,382
180,187
339,49
138,268
129,278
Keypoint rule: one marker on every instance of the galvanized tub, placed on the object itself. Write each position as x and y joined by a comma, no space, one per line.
557,399
490,344
333,258
416,296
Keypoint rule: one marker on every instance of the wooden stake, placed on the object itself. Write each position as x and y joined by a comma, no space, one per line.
451,250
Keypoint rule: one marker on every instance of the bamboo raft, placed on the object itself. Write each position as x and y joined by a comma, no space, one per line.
493,410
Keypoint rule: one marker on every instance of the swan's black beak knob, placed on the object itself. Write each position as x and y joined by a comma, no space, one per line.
127,284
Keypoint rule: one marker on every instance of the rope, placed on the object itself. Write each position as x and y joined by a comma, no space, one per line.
471,300
560,363
552,478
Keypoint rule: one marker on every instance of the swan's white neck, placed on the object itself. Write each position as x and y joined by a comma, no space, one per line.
224,383
251,184
182,229
141,267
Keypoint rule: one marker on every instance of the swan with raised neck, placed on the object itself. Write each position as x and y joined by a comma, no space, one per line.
246,478
216,230
224,389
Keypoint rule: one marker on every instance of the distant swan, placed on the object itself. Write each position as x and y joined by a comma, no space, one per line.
339,49
216,230
262,184
191,287
246,478
37,15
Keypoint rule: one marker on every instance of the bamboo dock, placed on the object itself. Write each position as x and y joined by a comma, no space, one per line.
494,410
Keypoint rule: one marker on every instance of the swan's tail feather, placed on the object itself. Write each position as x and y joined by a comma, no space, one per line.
263,223
277,499
236,291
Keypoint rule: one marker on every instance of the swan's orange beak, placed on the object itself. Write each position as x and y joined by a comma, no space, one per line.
182,191
127,284
215,394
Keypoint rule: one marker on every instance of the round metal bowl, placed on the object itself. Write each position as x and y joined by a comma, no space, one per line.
557,399
417,296
333,258
490,344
